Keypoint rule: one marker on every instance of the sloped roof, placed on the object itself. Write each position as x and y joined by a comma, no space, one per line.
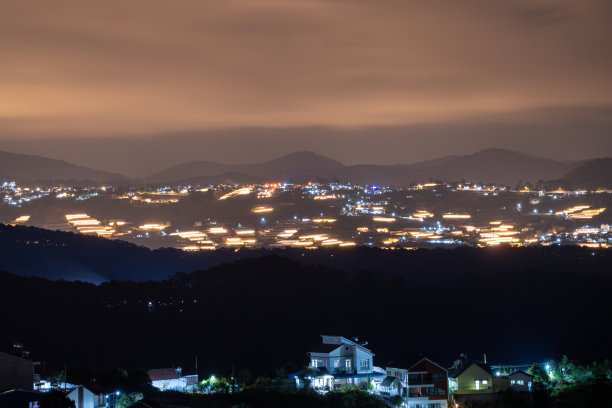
325,348
519,372
483,366
387,381
158,374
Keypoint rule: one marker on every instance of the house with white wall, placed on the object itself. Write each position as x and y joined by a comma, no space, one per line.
339,362
172,379
84,397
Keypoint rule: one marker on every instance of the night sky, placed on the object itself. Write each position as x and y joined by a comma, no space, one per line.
133,86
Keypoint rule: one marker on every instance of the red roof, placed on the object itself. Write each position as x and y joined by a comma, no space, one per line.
158,374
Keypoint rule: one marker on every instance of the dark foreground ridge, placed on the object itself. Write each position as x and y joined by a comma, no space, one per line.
30,251
267,311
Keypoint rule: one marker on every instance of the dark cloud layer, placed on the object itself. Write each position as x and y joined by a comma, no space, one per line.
81,69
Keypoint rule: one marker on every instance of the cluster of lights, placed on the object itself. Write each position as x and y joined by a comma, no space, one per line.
237,192
87,225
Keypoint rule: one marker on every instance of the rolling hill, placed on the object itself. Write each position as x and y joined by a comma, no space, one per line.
297,165
25,168
490,165
592,173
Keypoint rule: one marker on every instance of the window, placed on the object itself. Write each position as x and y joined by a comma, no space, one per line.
438,377
520,382
484,382
364,363
477,382
313,363
512,382
336,363
348,363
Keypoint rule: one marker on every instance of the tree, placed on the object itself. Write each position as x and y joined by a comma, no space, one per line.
396,401
55,399
540,375
214,385
128,399
306,374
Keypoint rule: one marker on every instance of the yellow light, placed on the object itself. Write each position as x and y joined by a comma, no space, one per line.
456,216
240,191
217,230
262,210
151,227
383,219
76,216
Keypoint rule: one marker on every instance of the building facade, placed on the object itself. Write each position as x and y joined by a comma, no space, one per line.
16,373
422,385
172,379
339,362
85,398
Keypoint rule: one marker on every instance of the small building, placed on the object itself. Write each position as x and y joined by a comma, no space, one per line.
424,384
338,362
520,381
84,397
172,379
16,373
20,399
475,379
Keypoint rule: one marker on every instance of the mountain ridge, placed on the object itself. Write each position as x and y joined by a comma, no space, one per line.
26,168
493,165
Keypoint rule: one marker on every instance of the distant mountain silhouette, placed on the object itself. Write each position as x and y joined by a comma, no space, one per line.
592,173
494,165
25,168
490,165
298,166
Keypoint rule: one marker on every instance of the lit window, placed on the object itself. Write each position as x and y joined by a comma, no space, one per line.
477,384
348,363
484,382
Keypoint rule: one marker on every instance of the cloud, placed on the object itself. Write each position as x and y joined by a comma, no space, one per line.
149,66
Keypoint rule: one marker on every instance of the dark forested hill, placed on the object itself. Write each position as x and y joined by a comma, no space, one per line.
30,251
264,312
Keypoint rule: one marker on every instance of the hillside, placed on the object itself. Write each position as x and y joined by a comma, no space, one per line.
210,313
298,166
493,165
25,168
490,165
593,173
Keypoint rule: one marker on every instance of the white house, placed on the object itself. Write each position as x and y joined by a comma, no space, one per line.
171,379
339,361
86,398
